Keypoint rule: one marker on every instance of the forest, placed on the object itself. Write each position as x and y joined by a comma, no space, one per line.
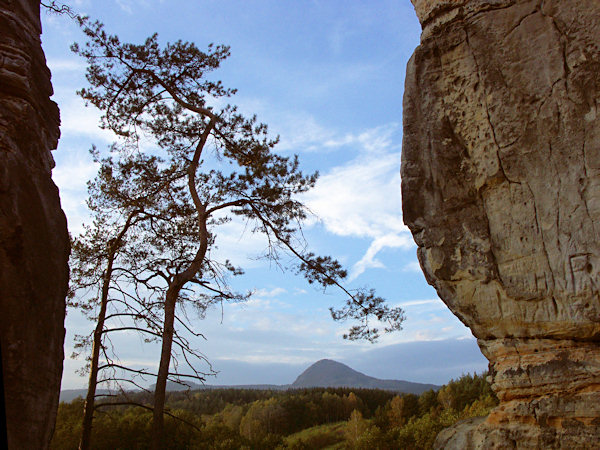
334,418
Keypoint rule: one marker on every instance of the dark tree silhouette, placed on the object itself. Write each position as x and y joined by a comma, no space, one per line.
113,268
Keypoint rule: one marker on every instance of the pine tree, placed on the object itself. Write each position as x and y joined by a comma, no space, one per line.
221,165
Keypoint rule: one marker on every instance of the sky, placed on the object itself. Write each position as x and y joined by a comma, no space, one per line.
327,76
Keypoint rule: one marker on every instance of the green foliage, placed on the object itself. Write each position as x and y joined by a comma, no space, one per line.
480,407
373,438
420,433
319,436
402,408
218,436
121,428
68,425
428,402
294,419
231,416
457,394
469,396
355,428
263,418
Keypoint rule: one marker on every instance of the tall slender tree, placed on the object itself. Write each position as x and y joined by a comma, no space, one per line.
112,259
228,169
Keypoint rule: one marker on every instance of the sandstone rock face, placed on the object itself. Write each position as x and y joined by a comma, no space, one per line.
501,190
34,244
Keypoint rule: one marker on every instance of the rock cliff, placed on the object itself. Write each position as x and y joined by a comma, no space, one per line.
34,244
501,190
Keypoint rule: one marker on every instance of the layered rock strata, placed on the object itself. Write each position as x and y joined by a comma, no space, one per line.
501,190
34,244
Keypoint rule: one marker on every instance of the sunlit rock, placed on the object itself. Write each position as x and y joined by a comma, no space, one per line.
501,190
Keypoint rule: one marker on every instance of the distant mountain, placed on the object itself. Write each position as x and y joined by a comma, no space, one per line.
68,395
175,387
328,373
323,373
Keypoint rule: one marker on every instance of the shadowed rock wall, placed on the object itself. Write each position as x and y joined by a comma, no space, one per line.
34,244
501,190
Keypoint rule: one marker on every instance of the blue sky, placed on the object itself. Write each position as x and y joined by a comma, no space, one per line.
328,77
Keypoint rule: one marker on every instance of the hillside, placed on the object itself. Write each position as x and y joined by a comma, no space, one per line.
329,373
68,395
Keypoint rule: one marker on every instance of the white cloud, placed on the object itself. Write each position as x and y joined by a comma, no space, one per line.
66,65
266,358
412,266
437,302
270,292
236,241
362,197
369,260
302,132
129,6
126,5
71,174
81,121
263,329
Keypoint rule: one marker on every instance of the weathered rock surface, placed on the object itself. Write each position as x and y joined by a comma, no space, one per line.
501,190
34,244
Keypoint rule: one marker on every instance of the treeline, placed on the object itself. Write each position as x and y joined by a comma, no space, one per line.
294,419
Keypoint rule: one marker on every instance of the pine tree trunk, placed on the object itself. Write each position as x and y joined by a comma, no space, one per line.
167,339
88,409
163,368
175,286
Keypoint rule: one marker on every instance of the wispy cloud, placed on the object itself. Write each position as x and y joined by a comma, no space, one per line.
129,6
274,292
77,120
126,5
268,358
74,166
369,260
236,241
436,302
361,198
412,266
74,64
71,177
